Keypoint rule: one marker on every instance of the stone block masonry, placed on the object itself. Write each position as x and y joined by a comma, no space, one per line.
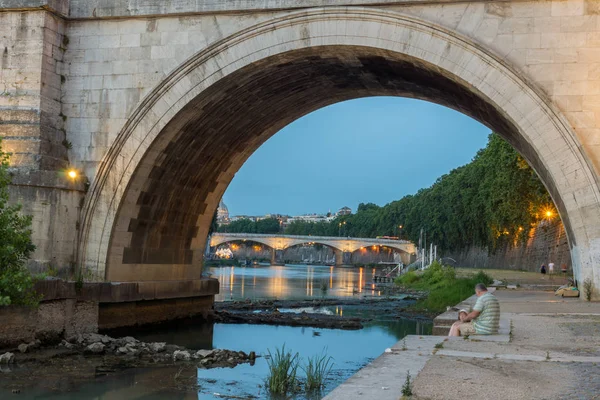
66,309
162,102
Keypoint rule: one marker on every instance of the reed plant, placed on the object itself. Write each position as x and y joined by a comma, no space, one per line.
317,369
283,368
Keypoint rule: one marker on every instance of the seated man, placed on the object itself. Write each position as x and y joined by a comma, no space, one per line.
485,316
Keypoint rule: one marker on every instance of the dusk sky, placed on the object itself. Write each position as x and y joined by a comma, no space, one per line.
376,150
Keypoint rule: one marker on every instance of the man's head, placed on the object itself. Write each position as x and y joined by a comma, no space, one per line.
480,289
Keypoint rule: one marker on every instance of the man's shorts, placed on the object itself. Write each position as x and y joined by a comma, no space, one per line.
466,328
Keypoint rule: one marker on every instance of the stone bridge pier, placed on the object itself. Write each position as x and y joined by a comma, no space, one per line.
157,104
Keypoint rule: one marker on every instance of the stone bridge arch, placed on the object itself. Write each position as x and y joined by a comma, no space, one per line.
147,213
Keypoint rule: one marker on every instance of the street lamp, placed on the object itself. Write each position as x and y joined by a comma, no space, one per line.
72,174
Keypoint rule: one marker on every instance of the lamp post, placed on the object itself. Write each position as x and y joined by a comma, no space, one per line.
340,228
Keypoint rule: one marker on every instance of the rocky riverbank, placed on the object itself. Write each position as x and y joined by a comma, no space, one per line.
314,313
275,317
126,351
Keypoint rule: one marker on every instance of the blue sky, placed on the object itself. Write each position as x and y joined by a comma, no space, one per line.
375,149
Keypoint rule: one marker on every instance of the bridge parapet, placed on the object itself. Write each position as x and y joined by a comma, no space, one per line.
282,242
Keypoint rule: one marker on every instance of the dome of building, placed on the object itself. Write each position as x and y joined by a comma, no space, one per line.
222,212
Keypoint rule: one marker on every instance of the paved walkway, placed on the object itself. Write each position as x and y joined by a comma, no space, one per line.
553,352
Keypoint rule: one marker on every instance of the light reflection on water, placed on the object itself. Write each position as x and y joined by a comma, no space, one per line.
350,349
293,282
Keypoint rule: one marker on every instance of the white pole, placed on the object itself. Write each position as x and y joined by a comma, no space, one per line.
435,252
430,253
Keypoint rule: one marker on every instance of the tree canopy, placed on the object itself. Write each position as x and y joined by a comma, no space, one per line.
492,200
245,225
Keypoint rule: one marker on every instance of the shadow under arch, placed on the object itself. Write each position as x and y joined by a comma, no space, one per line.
147,214
405,256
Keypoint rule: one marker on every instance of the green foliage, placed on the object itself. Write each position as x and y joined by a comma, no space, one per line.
283,368
588,289
408,278
317,370
444,288
16,283
490,202
267,225
406,388
482,277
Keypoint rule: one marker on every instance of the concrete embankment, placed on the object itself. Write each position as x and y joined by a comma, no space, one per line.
68,309
550,349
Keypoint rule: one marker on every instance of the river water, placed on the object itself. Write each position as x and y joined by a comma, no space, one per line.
350,350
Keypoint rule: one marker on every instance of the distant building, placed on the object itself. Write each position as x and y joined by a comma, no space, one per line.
250,217
344,211
222,213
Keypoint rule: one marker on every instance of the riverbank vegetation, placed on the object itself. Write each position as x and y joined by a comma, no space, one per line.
16,282
283,372
492,201
444,287
246,225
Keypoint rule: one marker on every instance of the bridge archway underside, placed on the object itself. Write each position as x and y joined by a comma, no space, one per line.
192,134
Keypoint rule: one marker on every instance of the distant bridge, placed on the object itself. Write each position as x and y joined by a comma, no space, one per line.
343,247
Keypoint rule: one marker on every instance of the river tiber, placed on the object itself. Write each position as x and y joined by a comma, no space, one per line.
299,199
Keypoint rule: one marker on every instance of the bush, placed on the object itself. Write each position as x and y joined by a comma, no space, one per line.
482,277
408,278
16,283
444,288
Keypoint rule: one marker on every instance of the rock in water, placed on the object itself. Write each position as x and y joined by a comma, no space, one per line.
204,353
158,347
7,358
130,340
23,348
95,348
181,355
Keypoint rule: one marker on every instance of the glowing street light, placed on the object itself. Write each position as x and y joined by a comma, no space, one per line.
72,174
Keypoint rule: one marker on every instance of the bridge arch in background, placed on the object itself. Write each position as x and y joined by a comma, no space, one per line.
148,211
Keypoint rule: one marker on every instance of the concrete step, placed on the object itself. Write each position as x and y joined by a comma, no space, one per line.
441,330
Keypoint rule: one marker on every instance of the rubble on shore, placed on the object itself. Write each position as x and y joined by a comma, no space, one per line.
126,351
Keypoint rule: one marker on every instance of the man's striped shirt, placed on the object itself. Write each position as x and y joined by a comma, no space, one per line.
488,321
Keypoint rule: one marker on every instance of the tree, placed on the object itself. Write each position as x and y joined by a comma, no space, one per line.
16,283
489,202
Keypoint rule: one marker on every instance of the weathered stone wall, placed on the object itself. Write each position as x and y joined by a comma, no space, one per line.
66,309
547,243
527,68
51,321
117,315
32,47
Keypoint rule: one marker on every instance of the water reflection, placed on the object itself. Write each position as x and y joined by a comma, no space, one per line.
350,349
293,282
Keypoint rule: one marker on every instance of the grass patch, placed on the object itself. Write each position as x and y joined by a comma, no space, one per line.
317,369
283,368
444,287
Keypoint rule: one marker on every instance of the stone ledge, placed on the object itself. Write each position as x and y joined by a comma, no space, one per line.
117,292
60,7
47,179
